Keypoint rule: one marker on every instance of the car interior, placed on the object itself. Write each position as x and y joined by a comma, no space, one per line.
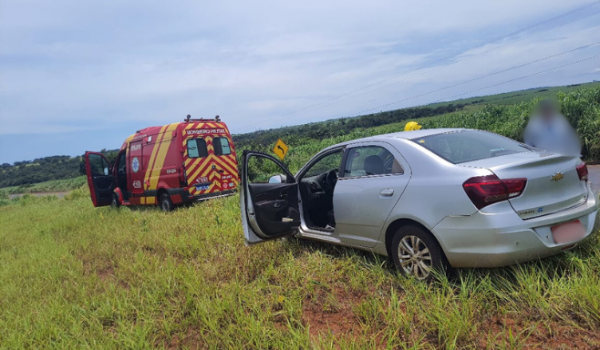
316,188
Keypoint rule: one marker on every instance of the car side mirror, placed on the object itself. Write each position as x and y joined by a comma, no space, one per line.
278,179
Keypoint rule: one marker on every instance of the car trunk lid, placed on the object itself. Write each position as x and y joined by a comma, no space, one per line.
553,183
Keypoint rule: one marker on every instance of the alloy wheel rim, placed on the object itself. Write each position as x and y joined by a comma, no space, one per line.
414,257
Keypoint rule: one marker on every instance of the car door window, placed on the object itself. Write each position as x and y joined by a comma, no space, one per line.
262,170
98,165
122,162
327,163
371,160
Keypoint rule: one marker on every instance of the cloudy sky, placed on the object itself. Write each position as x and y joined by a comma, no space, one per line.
79,75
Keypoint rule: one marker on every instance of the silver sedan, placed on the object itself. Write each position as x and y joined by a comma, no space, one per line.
428,199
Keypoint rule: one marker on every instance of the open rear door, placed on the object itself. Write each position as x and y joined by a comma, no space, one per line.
100,180
268,200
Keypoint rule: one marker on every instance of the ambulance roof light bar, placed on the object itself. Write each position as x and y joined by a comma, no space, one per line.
189,119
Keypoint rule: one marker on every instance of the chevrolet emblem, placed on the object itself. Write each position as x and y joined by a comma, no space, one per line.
557,177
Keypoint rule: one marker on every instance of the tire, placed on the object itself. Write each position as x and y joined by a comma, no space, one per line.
165,202
406,259
115,201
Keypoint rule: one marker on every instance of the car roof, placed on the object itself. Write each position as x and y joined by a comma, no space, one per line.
407,135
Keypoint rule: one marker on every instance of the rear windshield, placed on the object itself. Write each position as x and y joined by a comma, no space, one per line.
467,146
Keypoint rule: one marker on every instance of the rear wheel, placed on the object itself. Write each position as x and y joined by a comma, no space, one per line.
165,202
416,253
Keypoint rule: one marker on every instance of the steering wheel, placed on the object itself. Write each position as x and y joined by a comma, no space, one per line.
331,179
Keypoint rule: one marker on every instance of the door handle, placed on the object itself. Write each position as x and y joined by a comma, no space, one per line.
388,192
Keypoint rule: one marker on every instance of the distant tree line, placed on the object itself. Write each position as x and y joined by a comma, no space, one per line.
29,172
38,170
337,127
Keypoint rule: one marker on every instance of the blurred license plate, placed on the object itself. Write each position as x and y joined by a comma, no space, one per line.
202,187
568,232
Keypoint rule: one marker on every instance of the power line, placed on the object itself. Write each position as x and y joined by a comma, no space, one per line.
336,99
464,59
487,87
481,77
519,78
455,97
484,44
345,97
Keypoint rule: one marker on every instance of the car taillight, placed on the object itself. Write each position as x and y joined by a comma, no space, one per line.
486,190
582,171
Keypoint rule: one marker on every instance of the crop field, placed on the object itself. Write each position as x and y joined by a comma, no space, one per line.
47,186
580,105
528,95
74,276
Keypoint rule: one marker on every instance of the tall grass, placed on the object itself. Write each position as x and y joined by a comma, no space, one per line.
78,277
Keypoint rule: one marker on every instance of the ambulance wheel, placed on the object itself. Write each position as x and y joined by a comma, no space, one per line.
115,201
165,202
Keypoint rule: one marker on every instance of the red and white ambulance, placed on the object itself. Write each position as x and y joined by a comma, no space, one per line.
167,166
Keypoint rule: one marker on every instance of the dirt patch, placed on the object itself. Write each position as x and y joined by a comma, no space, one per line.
530,334
332,314
191,340
106,274
105,269
38,194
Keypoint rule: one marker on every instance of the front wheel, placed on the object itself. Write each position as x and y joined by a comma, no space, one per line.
165,202
416,253
115,201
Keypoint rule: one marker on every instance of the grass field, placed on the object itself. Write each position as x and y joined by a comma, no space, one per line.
78,277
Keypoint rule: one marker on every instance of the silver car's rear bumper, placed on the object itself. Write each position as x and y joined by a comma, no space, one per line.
502,238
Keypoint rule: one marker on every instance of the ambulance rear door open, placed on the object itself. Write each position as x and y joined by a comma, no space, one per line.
100,179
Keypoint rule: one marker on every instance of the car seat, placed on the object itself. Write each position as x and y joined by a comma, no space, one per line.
374,165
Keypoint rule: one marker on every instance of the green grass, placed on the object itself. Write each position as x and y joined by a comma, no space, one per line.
74,276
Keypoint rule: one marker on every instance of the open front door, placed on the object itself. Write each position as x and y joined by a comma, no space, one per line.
268,200
100,180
